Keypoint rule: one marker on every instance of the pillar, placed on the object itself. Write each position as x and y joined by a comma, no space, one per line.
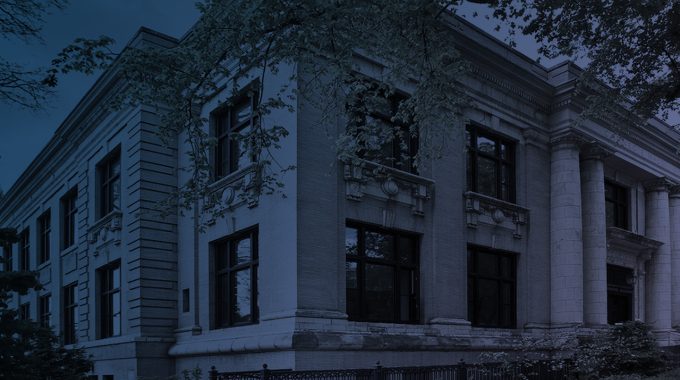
566,247
675,255
657,215
594,237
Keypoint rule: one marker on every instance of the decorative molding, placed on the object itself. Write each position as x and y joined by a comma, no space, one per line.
639,246
535,137
235,189
105,232
483,209
595,151
568,139
658,184
365,178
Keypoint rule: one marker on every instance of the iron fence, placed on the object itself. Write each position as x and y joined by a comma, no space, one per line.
543,370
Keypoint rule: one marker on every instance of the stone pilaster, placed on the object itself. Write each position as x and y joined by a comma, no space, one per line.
566,247
657,215
675,255
594,237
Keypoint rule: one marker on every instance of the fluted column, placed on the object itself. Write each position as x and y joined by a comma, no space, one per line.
594,237
657,215
675,255
566,247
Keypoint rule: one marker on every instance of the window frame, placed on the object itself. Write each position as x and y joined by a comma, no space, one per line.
621,203
44,236
361,260
473,276
224,313
70,313
45,310
472,132
69,210
24,311
106,183
8,258
224,127
25,250
105,293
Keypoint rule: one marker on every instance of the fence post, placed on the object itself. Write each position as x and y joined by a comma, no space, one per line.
461,371
264,373
212,374
377,372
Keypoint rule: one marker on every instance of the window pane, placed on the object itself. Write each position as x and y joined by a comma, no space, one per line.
241,294
505,182
405,295
505,151
406,250
241,113
353,303
351,241
486,176
115,194
115,311
487,302
379,245
486,264
241,252
379,296
486,145
115,274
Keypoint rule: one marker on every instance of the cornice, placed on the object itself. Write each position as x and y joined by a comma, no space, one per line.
662,184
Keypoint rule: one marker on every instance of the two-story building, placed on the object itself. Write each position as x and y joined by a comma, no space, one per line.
528,224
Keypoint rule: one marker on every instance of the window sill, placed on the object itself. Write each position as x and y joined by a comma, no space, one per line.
106,229
68,250
236,325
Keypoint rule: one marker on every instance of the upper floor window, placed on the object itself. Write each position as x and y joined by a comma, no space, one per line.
230,125
490,164
616,205
236,279
69,313
491,288
44,310
387,137
44,233
24,311
25,250
109,183
109,300
8,265
68,219
382,268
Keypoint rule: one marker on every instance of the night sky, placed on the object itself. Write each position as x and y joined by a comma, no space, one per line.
23,133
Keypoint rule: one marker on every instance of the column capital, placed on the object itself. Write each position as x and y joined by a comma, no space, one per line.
567,139
658,184
674,191
595,151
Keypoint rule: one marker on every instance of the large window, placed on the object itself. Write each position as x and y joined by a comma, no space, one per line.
109,300
236,279
25,250
616,204
620,282
68,219
389,139
490,164
491,288
7,261
109,183
231,152
44,233
382,274
44,310
69,313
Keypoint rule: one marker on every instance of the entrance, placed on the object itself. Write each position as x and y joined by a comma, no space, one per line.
619,294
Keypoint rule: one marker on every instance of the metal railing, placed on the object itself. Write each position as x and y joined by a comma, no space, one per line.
542,370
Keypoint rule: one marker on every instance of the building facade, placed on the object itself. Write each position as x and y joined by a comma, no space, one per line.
529,224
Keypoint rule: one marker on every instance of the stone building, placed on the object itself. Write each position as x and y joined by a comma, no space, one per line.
529,224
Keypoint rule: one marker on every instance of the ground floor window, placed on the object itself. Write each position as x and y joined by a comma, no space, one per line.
44,310
620,282
69,313
382,274
492,279
109,300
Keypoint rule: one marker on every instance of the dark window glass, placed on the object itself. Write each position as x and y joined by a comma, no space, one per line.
70,313
381,274
491,288
236,279
44,310
25,250
109,300
391,143
44,232
25,311
109,184
68,219
185,300
7,261
616,205
490,164
619,294
231,124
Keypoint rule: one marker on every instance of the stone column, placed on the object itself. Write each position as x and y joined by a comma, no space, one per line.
657,215
566,247
594,237
675,255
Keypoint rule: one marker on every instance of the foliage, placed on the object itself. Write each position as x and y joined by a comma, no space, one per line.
28,351
29,87
632,46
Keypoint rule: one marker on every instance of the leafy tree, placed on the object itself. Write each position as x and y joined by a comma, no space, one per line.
29,87
28,351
